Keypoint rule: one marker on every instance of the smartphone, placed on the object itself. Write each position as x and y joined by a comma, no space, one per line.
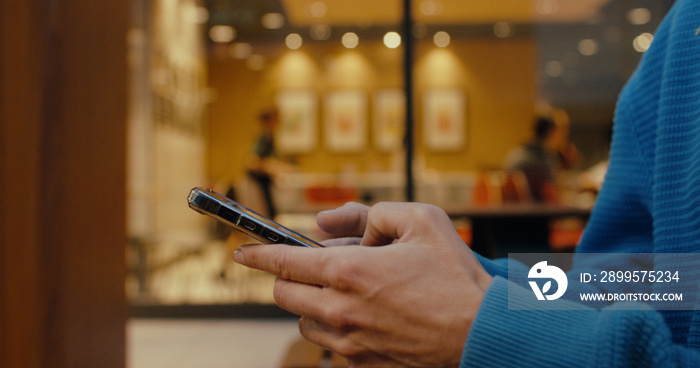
245,220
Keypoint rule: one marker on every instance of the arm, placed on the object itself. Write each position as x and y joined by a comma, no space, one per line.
624,221
613,337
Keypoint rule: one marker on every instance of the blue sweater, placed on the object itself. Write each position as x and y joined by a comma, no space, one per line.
650,203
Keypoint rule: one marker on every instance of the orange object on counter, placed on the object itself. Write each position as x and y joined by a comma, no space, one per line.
330,194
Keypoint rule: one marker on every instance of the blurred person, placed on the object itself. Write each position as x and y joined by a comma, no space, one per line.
408,292
537,162
263,164
568,156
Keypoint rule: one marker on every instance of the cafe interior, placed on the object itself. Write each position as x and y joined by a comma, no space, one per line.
412,100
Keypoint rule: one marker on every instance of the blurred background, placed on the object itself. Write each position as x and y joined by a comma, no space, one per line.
336,75
499,111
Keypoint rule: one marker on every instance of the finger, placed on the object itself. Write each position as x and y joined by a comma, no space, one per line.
333,307
343,341
349,219
320,333
341,241
298,298
324,335
387,222
301,264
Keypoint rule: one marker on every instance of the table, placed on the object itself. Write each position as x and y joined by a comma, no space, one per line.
515,228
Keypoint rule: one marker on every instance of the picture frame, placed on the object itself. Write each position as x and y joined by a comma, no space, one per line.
389,119
346,120
298,127
444,119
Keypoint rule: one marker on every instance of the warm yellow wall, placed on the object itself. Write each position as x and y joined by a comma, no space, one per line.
496,78
498,82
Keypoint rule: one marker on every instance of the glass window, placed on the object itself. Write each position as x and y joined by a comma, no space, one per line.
295,106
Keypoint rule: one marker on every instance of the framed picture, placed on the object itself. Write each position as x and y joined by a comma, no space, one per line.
389,119
298,127
346,120
443,119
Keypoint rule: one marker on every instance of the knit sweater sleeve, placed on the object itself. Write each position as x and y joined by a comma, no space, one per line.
613,337
624,220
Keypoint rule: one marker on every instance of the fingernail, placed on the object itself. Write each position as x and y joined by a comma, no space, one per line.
238,256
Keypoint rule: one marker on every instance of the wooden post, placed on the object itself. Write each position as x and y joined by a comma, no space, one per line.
63,111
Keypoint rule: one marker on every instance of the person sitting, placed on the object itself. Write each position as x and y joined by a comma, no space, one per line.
537,162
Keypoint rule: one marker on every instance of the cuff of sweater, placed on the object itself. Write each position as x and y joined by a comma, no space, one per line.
494,267
500,337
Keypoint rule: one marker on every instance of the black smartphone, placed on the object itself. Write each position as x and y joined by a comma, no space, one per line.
245,220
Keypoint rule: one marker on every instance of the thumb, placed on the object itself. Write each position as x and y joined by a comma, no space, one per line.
349,220
387,222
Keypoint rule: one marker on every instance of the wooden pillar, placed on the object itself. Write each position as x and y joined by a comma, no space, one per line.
63,109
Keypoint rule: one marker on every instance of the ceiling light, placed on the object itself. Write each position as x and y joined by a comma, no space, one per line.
320,32
639,16
392,40
554,68
272,20
642,42
441,39
197,14
240,50
222,34
318,9
350,40
431,7
503,30
547,7
588,47
293,41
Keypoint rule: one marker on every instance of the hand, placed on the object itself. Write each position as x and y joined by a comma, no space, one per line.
405,296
